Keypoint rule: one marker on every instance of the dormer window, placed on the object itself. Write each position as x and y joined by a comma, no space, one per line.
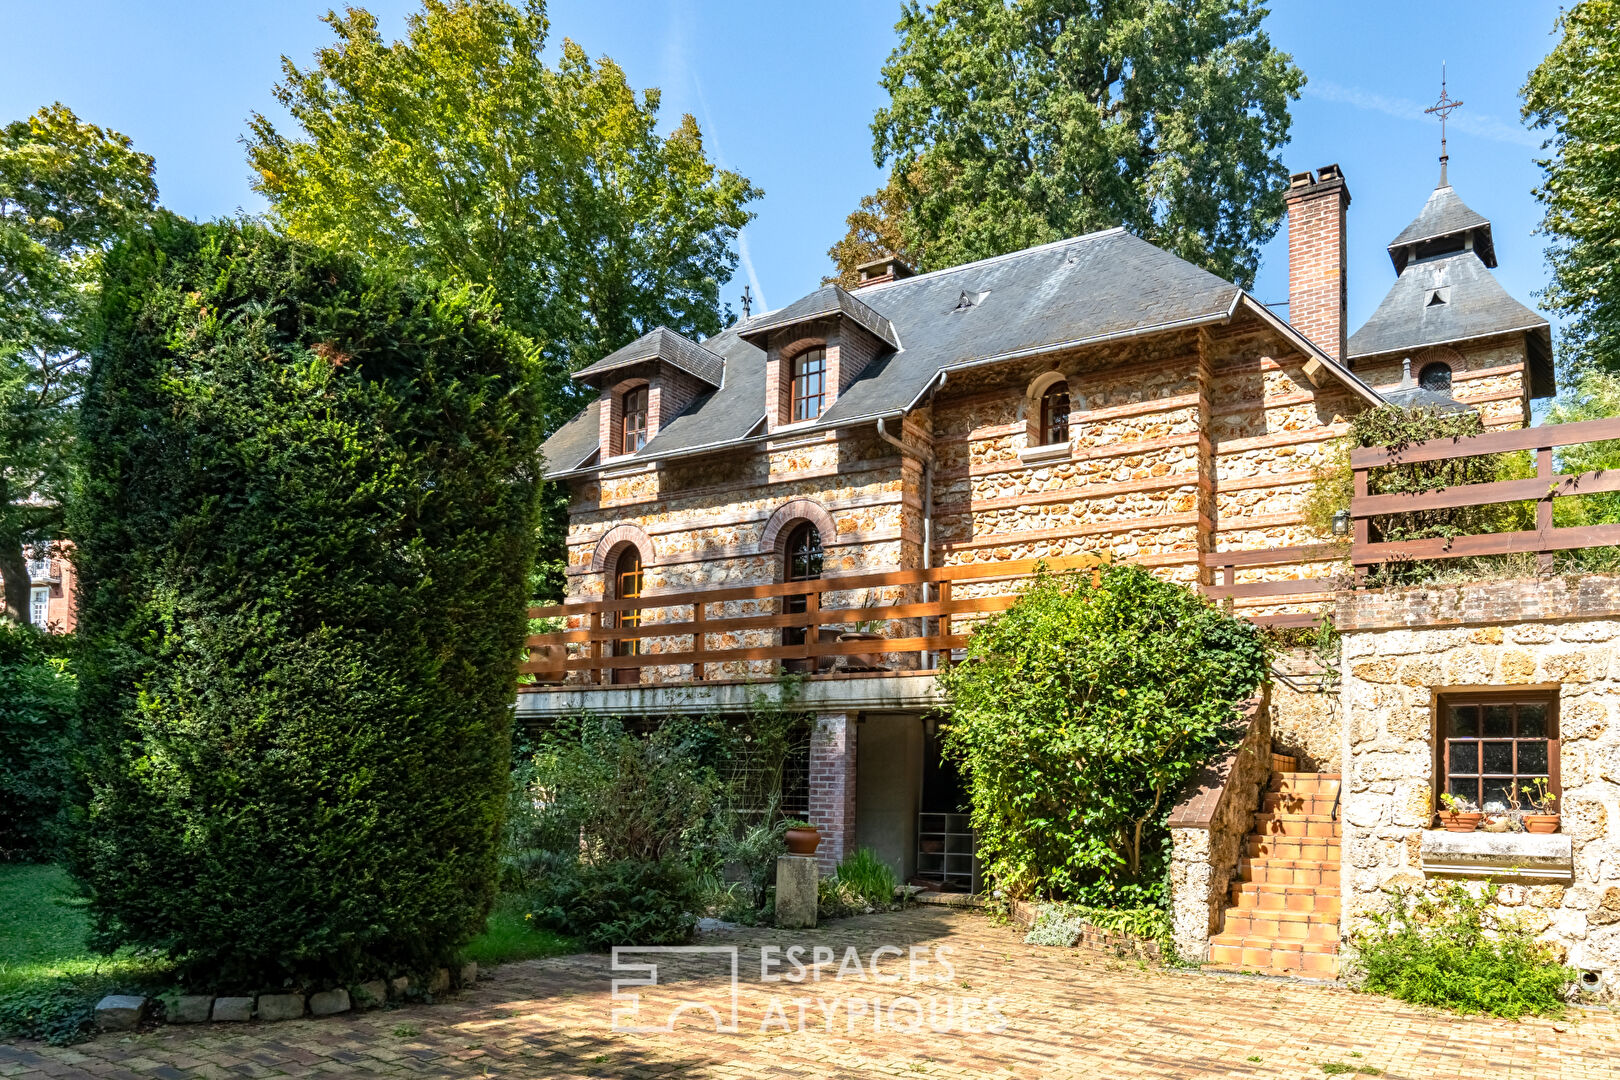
809,387
1438,296
1055,414
633,421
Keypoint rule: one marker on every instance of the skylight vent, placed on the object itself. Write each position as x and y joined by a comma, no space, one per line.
969,299
1438,297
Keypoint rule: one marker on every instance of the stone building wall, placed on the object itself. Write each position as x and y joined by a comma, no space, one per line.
1489,374
1404,647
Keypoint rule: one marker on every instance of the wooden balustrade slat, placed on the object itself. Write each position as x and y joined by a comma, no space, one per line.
968,573
1491,442
1532,540
764,652
1296,553
1499,491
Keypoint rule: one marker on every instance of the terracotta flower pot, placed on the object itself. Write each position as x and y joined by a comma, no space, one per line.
550,660
1541,823
863,659
1455,822
803,841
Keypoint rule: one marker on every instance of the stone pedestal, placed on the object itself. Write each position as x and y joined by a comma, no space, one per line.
796,879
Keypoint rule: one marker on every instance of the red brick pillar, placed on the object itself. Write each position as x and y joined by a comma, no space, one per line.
832,786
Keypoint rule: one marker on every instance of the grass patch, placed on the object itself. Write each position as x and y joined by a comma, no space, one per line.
50,981
510,935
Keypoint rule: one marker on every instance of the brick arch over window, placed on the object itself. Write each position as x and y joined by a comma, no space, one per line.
615,540
775,537
1031,406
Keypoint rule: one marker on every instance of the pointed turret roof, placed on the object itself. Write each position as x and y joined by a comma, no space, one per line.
1444,217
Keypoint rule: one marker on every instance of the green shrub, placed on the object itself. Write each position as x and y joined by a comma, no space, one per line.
623,902
1060,924
1082,711
36,717
868,878
1450,950
304,525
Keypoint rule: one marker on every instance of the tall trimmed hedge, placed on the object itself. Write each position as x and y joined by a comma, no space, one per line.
36,736
305,522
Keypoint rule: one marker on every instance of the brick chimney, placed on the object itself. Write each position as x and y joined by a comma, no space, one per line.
886,268
1316,257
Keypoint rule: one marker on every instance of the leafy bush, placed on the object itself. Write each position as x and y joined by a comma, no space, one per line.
36,717
1060,924
868,877
622,902
1081,712
1451,950
304,527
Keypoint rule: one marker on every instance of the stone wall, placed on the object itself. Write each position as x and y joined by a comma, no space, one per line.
1207,829
1402,648
1306,723
1489,374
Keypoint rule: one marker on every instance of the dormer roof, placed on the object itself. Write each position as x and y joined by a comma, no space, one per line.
1444,217
825,301
660,344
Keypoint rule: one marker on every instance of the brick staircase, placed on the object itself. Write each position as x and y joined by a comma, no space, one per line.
1284,916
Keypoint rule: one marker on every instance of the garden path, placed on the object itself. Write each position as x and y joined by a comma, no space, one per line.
1067,1014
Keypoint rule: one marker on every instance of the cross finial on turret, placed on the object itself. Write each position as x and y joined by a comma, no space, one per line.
1443,109
747,302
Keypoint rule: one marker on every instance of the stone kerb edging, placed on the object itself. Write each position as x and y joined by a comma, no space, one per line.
1207,829
125,1012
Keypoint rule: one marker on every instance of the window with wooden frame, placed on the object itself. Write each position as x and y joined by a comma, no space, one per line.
1055,414
633,420
628,578
803,563
1490,743
809,387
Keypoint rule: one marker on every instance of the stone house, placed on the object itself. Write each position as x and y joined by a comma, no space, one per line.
912,446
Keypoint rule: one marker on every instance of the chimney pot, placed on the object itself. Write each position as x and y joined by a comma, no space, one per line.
886,268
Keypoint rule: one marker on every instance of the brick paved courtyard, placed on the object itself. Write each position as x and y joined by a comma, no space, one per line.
1066,1014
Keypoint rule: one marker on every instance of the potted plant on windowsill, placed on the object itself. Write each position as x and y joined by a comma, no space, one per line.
802,837
1460,814
1540,818
866,630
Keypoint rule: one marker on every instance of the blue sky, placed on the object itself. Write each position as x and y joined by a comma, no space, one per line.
785,94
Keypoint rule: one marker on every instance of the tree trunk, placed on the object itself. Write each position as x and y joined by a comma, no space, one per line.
14,572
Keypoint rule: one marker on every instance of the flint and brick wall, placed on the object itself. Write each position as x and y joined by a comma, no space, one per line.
1402,647
1489,374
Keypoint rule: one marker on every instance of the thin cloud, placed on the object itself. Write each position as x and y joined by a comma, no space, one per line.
1479,124
679,70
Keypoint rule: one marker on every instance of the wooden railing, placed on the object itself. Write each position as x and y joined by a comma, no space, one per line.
1227,564
604,644
1543,540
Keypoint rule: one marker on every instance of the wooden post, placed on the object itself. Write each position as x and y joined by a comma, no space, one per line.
596,647
1359,526
943,626
1544,508
812,631
700,640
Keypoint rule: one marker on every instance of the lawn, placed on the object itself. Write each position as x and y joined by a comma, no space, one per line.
50,980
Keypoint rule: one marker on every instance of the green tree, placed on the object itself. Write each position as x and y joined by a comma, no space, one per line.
459,151
1574,95
304,517
1016,122
1082,711
66,190
1595,397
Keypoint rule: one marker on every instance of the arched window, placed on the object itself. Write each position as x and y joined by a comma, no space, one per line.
1055,414
809,388
633,420
627,582
1436,377
802,563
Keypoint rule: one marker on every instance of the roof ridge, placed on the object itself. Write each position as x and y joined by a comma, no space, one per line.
886,285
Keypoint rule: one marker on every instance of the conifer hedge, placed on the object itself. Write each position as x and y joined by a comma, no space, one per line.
305,520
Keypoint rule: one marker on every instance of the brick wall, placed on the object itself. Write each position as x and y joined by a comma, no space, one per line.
1316,257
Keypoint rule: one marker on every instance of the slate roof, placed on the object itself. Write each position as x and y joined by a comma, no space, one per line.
660,343
827,300
1444,214
1475,305
1061,295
